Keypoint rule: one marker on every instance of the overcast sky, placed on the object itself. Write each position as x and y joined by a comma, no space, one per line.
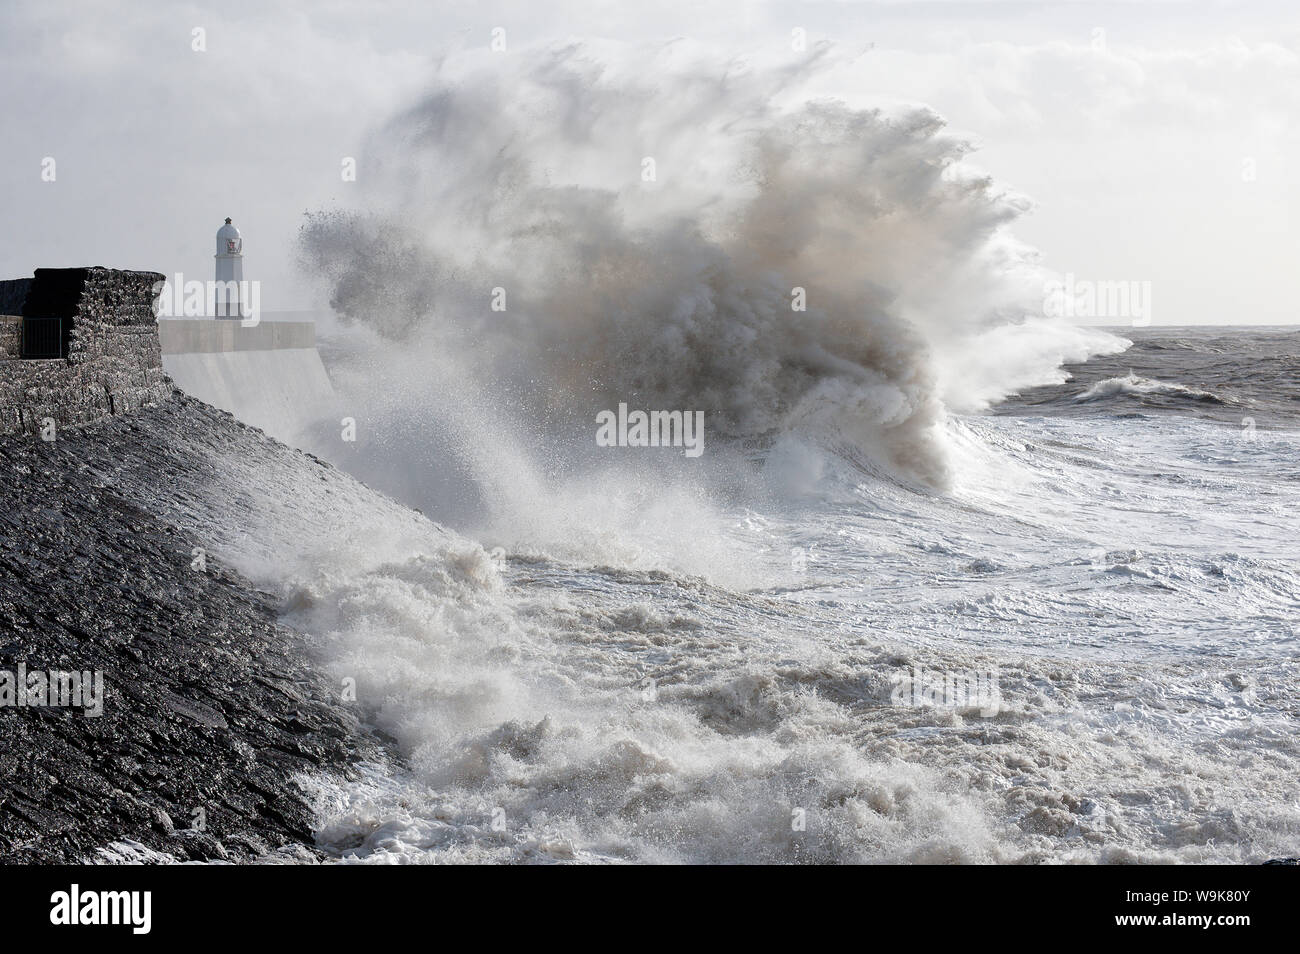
1158,140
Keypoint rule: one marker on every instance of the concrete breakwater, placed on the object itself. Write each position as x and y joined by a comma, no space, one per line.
204,711
268,375
211,708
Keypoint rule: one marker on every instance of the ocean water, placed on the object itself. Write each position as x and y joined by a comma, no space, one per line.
1110,585
952,581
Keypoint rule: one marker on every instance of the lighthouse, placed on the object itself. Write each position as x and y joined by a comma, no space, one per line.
230,271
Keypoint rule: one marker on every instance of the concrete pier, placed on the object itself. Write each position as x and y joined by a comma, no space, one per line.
268,375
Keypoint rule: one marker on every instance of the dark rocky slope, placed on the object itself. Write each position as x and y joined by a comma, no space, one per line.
210,703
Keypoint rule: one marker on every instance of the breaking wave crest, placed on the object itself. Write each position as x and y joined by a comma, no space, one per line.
1133,385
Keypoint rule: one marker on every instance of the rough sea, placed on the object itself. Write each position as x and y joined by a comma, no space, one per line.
1084,650
951,580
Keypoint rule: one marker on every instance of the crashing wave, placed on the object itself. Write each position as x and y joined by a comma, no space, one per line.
1132,385
585,226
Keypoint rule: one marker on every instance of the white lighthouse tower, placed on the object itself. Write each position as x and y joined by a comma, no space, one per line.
230,271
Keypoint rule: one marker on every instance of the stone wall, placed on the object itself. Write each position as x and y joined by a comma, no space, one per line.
11,335
114,359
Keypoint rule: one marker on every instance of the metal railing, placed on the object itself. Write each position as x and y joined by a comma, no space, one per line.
43,338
